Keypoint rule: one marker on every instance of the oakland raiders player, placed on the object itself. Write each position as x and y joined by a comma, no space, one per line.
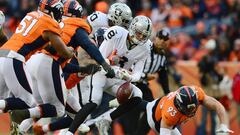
132,48
119,14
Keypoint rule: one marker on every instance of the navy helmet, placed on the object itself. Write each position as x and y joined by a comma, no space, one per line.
186,101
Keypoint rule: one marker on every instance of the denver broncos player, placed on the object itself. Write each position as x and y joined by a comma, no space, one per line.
45,67
33,33
164,114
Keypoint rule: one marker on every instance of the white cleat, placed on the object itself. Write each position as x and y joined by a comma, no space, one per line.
83,128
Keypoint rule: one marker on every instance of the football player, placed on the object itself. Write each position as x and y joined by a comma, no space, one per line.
119,14
33,33
164,114
132,48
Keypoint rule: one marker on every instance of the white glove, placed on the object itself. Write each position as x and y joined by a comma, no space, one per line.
223,129
123,74
83,128
2,19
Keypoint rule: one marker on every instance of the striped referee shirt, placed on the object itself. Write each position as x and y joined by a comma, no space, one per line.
154,63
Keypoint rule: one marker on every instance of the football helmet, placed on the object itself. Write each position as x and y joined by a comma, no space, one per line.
140,29
72,8
119,14
186,101
54,8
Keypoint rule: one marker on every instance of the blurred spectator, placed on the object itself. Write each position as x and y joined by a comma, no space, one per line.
236,91
235,53
222,49
102,6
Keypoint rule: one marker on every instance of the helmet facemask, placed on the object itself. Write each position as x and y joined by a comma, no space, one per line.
120,14
140,30
55,10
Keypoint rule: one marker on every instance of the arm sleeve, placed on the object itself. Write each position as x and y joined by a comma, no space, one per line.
165,131
175,131
83,40
138,69
163,80
71,68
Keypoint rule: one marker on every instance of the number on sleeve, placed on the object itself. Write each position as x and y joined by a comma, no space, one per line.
171,111
93,17
24,29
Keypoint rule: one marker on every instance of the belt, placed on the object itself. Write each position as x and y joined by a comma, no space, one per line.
12,54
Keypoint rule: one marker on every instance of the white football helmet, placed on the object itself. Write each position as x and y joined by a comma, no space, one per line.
120,14
140,29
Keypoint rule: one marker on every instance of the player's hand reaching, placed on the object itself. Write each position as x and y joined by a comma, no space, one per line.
90,69
110,72
223,129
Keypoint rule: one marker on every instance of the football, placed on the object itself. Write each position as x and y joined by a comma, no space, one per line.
124,92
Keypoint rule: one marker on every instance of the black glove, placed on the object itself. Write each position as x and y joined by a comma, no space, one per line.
109,70
90,69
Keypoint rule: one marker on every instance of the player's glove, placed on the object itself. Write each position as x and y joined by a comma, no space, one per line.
223,129
109,70
90,69
2,19
123,74
113,103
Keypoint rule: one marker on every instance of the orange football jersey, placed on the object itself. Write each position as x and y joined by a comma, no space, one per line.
27,38
167,111
69,27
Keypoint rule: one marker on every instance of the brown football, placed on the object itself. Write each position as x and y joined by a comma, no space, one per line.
124,92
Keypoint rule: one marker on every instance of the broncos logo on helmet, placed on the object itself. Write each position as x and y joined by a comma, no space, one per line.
72,9
54,8
186,101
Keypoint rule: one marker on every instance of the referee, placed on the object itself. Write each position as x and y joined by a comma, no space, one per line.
156,63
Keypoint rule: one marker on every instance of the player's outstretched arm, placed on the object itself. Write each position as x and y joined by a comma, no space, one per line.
212,104
167,130
58,44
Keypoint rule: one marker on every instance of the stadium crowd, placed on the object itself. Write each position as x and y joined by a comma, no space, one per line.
197,26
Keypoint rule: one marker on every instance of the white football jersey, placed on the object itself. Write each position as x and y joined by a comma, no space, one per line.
115,38
97,20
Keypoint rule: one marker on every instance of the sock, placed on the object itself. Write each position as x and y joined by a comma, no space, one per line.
14,104
35,112
61,123
81,116
48,110
46,128
2,104
126,107
26,125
